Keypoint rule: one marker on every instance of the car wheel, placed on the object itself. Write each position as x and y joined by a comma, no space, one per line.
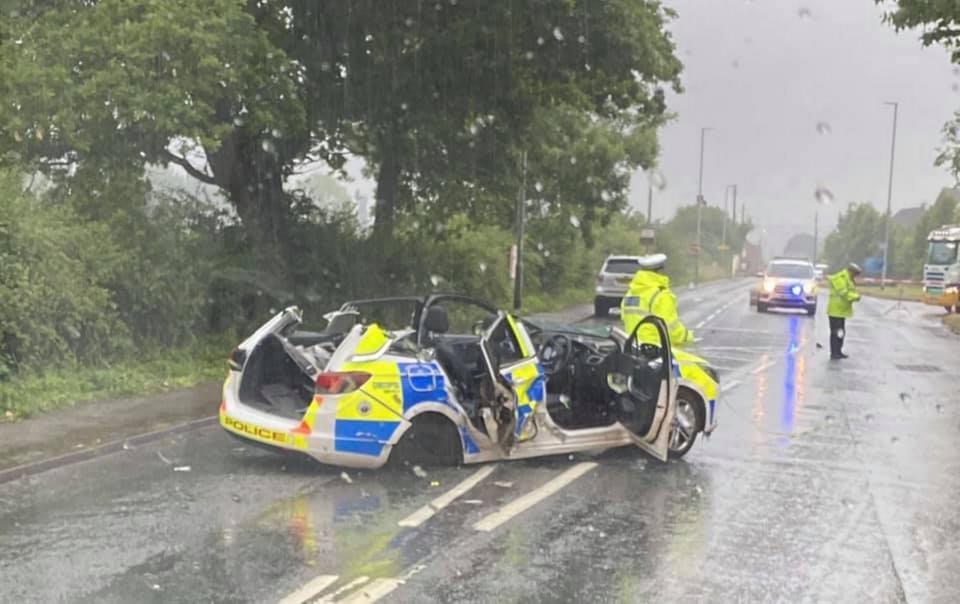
761,307
600,308
811,310
432,439
687,424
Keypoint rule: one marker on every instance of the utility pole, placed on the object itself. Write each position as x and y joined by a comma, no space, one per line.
649,203
521,219
816,234
886,223
700,202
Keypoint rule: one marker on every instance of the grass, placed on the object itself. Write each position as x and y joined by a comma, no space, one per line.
952,321
912,293
155,372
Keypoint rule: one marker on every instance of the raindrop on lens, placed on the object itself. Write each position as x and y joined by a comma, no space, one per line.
540,41
483,267
558,34
823,128
573,161
805,13
538,186
823,195
657,180
435,279
574,222
529,55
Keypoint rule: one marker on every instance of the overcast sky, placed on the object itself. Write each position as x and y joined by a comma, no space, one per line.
764,73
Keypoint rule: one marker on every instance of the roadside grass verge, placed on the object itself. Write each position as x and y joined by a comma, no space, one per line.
913,293
952,321
154,372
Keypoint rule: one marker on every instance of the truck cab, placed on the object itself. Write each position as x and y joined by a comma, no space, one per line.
941,271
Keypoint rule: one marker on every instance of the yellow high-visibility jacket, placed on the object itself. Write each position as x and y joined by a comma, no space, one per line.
650,294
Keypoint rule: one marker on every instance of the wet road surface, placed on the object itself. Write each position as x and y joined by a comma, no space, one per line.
825,481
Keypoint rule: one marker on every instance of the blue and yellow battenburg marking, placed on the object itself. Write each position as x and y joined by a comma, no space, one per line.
530,385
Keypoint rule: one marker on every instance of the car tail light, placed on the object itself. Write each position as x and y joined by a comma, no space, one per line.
237,358
340,382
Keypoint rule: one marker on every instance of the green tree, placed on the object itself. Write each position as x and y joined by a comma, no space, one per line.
435,97
859,230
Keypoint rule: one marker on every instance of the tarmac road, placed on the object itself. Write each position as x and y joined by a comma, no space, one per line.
825,481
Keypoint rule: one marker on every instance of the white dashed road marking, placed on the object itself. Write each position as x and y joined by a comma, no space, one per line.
524,503
373,592
426,512
310,590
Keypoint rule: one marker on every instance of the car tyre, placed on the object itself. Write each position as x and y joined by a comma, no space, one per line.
690,405
811,310
432,439
761,307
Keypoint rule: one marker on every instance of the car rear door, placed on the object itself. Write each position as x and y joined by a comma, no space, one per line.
644,378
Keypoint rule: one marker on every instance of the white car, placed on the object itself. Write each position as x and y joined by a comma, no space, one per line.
613,281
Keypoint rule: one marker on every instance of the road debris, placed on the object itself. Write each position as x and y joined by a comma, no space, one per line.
419,472
346,478
503,484
163,459
182,468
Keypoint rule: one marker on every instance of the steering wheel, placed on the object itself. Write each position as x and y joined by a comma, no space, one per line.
555,353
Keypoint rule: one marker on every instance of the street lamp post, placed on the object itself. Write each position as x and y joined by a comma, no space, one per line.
886,227
700,201
723,236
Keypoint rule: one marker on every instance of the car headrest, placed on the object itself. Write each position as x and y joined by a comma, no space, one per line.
437,320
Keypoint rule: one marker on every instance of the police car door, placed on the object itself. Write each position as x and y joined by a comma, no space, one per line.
500,412
646,389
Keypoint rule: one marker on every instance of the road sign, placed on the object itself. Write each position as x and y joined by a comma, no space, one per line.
694,249
647,234
723,247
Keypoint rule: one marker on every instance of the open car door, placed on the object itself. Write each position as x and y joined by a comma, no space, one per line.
642,378
499,407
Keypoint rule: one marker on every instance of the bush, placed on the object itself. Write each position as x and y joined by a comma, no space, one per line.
54,304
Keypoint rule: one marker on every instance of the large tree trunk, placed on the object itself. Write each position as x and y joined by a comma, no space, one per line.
385,213
253,179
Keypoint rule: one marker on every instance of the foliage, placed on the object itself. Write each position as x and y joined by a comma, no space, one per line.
147,373
860,233
428,97
54,303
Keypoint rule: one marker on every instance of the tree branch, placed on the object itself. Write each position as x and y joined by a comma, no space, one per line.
186,165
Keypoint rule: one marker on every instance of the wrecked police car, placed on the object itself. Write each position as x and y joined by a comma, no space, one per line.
450,379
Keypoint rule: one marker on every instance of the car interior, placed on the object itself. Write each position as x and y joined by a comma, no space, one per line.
579,370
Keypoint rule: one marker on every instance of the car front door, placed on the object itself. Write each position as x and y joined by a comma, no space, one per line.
643,378
499,397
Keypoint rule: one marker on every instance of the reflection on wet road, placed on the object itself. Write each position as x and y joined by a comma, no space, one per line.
824,482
